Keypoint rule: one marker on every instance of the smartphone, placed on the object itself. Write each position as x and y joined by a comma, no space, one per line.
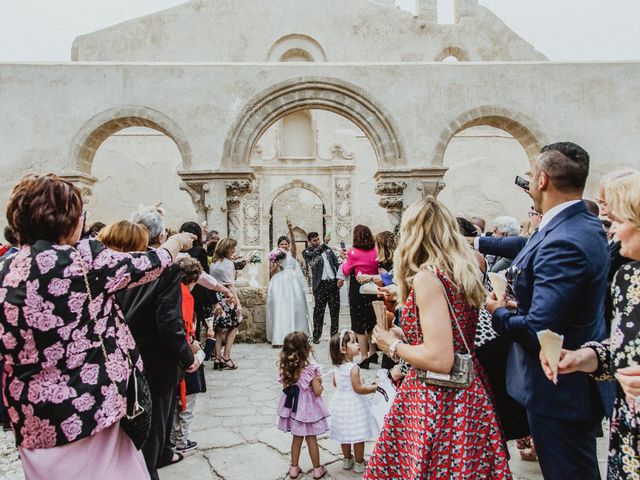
342,245
522,183
386,277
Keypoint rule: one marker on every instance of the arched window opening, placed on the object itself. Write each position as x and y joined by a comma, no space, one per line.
298,139
496,157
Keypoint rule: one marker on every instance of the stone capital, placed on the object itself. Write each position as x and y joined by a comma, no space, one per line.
390,188
236,189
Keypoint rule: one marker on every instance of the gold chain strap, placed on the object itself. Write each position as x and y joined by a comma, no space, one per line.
95,320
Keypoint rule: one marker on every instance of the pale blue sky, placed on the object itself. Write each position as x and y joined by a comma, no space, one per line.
42,30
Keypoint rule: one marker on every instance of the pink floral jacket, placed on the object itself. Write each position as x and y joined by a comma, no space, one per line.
58,386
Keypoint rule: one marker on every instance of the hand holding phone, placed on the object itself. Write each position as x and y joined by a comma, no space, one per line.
522,183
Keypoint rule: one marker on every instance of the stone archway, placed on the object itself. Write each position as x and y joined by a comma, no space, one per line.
97,129
317,93
314,224
519,126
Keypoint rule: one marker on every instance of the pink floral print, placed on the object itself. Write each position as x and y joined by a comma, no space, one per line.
58,386
59,286
84,402
46,260
71,427
89,373
36,432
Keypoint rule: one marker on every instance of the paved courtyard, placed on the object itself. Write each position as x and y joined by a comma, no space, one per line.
234,427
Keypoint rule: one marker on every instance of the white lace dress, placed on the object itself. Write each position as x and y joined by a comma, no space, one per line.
287,309
351,419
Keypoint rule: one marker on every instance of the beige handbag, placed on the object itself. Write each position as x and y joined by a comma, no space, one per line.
462,373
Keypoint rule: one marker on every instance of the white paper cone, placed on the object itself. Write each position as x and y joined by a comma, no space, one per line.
551,345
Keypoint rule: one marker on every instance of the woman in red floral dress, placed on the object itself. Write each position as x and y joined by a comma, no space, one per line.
436,432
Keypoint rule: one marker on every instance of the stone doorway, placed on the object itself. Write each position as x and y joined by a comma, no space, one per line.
307,213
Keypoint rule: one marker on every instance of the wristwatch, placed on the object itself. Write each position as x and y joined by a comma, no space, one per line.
391,352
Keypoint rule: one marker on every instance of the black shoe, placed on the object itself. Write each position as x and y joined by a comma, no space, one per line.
364,364
188,447
373,358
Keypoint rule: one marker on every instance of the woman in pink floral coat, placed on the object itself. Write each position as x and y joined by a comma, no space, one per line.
64,398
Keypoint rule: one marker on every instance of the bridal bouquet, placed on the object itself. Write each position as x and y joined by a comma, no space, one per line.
277,255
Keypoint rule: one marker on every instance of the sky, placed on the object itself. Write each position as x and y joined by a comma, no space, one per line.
564,30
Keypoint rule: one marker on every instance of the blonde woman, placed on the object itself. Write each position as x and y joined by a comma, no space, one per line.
432,431
230,314
618,358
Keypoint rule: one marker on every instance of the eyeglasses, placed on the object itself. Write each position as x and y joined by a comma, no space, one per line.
601,202
533,213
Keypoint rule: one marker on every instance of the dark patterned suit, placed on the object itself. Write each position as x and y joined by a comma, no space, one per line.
324,291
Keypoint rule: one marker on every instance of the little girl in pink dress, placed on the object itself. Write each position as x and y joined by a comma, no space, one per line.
301,410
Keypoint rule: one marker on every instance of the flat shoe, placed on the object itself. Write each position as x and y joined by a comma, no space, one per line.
294,472
319,472
176,460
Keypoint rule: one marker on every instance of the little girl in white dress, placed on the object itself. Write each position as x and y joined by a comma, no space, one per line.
351,421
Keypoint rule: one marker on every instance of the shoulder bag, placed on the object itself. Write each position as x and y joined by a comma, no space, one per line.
462,373
137,419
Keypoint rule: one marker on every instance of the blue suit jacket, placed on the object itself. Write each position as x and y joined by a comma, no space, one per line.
507,247
560,284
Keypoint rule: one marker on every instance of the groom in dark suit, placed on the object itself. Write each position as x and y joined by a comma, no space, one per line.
326,287
559,279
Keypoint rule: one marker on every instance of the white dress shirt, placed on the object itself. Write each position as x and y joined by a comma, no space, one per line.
548,216
327,272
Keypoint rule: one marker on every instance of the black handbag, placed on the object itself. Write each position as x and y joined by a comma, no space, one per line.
462,373
137,419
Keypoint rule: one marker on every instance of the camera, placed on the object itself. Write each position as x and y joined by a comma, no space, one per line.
522,183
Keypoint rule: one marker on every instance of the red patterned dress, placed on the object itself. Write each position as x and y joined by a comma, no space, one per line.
436,432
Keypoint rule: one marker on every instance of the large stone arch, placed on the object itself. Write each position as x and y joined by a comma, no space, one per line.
525,130
320,93
97,129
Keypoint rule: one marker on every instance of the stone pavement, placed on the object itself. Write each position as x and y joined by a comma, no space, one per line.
234,426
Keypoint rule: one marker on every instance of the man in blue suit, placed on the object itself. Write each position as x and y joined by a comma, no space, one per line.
559,279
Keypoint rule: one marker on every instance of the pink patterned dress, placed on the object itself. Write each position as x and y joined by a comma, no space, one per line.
436,432
300,411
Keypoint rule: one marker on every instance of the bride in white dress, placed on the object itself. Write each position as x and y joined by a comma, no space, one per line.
287,309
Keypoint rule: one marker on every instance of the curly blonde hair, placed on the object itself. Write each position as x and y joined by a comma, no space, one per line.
294,357
623,197
429,236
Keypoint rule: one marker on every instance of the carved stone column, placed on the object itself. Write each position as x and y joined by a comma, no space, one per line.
198,190
343,210
392,201
236,190
251,212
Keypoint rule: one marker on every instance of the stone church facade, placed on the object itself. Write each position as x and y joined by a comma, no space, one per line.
328,112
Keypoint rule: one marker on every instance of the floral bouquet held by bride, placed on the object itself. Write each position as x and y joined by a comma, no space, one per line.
277,256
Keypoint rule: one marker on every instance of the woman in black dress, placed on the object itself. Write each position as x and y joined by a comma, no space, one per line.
362,259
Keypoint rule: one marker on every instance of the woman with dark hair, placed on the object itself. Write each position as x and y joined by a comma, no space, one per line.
362,259
68,352
287,309
204,299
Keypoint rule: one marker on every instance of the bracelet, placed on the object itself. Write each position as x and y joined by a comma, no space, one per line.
180,242
391,351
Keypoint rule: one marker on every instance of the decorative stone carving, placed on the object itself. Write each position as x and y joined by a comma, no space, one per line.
251,212
391,200
339,153
343,220
236,190
198,193
431,187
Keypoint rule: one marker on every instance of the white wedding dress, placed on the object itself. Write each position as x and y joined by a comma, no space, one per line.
287,309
